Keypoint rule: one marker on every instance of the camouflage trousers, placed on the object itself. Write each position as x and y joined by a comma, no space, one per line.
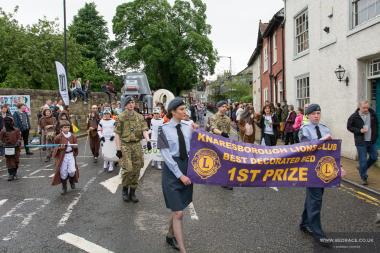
131,163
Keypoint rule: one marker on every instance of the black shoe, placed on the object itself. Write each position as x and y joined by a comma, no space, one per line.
72,183
172,242
47,159
29,153
365,182
64,188
132,195
11,178
306,230
228,187
324,242
125,194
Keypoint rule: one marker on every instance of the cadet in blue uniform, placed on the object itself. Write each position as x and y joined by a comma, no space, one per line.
311,217
174,143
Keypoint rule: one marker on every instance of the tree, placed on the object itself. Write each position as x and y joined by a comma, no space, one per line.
89,29
27,56
169,43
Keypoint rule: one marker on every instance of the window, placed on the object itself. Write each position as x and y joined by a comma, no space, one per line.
265,94
274,46
265,58
280,91
374,68
302,32
303,91
364,10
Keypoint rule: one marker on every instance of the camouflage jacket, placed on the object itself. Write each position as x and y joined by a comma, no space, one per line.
222,123
130,128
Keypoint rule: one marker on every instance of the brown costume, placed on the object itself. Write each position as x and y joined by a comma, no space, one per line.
61,117
93,121
11,139
59,154
48,133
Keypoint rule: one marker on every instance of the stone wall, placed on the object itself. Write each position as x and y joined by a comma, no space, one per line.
38,98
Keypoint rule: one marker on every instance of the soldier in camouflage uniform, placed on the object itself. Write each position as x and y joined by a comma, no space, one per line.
131,128
220,124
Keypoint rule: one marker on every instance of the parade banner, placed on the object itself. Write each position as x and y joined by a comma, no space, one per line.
13,100
221,161
62,82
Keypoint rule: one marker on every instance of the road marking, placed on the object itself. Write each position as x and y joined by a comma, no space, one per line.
2,202
193,213
52,175
84,165
360,195
33,177
113,183
82,243
35,172
47,166
70,208
274,188
27,218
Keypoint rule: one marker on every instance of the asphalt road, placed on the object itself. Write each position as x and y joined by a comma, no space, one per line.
34,217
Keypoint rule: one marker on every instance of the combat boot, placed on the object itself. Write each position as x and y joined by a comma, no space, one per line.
64,187
132,195
125,194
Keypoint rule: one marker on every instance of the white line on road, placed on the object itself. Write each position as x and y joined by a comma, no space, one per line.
84,165
193,213
2,202
47,166
52,175
27,218
113,183
82,243
274,188
35,172
70,208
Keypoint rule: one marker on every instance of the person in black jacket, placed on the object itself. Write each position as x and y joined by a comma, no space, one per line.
269,126
363,123
22,122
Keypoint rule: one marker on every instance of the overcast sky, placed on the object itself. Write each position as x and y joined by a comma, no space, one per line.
234,22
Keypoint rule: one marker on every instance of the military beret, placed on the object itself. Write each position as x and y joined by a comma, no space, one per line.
63,123
175,103
221,103
312,108
129,99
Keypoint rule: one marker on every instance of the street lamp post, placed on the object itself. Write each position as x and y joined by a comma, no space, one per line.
65,36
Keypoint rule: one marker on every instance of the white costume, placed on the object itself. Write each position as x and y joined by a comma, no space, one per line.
68,163
156,158
106,129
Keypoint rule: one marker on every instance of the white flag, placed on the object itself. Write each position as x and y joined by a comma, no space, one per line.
62,82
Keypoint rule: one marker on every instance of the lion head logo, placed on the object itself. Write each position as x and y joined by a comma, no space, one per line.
327,169
206,163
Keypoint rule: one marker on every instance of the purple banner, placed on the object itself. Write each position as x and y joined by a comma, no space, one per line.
221,161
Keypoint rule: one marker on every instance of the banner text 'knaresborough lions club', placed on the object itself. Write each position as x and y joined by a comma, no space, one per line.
221,161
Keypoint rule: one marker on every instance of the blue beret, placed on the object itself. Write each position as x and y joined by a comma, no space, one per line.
129,99
175,103
221,103
312,108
